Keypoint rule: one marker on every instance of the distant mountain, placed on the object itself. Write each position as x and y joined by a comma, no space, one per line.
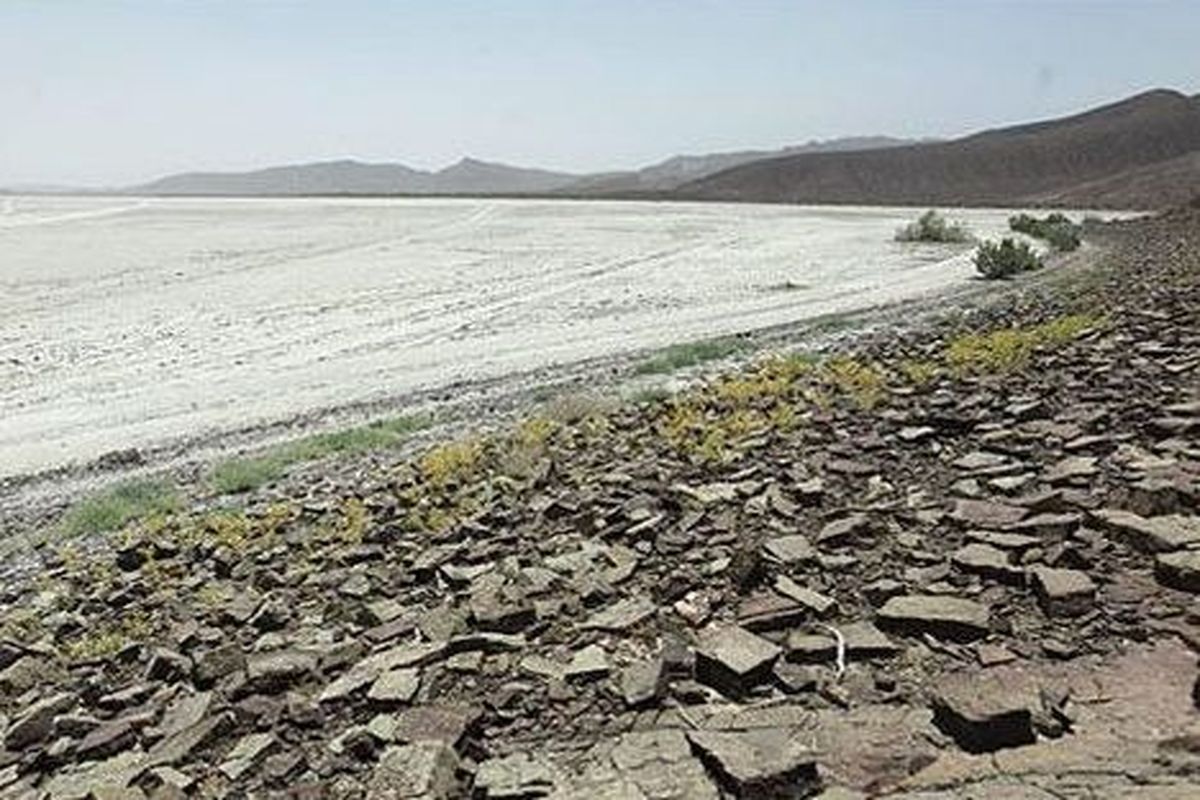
1134,153
678,170
468,176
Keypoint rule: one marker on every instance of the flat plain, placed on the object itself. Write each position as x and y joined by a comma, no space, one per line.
130,322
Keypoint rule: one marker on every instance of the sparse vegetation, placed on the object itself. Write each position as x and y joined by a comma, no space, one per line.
933,227
996,261
682,356
1009,349
114,508
863,383
451,462
247,474
1057,230
919,372
106,641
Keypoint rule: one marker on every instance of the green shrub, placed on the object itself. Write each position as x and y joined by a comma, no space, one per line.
1056,229
119,505
933,227
1005,259
681,356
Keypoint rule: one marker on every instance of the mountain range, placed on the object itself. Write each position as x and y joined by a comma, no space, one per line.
471,176
1141,152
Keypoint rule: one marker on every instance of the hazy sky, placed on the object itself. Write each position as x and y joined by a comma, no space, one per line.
99,92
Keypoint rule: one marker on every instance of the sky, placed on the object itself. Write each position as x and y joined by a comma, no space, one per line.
100,93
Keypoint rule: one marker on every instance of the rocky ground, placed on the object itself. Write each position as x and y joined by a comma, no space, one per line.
959,563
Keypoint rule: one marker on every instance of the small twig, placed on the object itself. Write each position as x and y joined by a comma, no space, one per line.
686,717
841,648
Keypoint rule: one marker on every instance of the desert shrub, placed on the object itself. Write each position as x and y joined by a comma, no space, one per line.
1003,260
1057,230
933,227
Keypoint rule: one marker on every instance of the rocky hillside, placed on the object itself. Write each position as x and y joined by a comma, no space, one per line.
960,563
1137,153
677,170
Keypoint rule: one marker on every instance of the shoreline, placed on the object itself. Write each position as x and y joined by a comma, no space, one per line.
942,560
36,499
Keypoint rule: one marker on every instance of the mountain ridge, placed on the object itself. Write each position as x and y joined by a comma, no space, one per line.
349,176
1013,165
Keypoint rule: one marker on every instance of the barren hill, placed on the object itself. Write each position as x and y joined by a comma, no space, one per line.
1137,152
675,171
468,176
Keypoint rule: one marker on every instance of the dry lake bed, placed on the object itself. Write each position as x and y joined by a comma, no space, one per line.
129,322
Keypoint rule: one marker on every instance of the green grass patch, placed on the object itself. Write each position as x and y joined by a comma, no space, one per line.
117,506
245,474
682,356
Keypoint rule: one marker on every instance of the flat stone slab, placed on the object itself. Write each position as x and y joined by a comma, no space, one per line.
1151,534
419,771
987,514
842,531
766,611
768,762
644,764
519,775
954,618
792,549
983,714
863,640
986,561
274,672
814,601
1179,570
1063,592
396,686
732,660
621,615
1016,542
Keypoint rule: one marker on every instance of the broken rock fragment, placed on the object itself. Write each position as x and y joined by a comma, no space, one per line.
423,770
1151,534
983,714
765,763
642,682
1063,592
987,561
1179,570
953,618
733,660
519,775
36,722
